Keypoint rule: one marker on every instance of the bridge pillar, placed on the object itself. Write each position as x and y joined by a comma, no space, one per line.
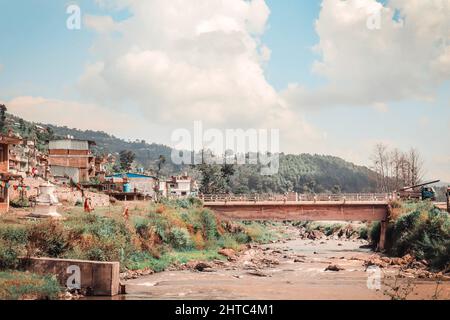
381,244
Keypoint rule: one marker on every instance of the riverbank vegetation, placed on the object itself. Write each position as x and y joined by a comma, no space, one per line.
419,229
154,237
16,285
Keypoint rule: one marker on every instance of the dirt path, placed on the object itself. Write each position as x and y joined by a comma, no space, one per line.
294,269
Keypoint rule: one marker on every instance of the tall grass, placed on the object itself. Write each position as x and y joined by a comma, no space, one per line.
22,285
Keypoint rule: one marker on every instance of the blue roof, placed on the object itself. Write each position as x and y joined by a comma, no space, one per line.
130,175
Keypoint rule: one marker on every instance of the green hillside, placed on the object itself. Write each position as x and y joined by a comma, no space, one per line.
300,173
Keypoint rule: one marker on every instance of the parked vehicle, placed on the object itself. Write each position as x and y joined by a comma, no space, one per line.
418,192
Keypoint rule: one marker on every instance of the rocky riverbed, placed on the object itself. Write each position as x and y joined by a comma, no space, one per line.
297,268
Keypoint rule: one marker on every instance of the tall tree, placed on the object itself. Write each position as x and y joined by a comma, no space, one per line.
126,159
161,162
415,166
3,110
212,181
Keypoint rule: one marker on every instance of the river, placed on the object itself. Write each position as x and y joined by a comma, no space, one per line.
293,269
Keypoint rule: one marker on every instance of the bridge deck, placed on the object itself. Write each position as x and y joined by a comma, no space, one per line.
302,211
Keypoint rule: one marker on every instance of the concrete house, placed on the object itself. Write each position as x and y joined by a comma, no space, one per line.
138,183
179,186
71,159
5,175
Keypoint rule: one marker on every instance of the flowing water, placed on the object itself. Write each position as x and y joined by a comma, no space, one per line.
304,279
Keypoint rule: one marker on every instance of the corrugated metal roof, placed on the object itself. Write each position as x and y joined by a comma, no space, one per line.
130,175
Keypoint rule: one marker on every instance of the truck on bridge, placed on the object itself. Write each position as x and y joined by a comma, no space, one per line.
418,192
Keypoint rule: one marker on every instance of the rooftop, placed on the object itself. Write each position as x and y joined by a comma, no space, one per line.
130,175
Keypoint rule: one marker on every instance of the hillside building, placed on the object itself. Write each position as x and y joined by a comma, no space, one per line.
71,159
5,176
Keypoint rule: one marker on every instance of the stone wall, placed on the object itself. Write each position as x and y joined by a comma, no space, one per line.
69,196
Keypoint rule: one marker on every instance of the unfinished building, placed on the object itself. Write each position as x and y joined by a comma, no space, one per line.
71,159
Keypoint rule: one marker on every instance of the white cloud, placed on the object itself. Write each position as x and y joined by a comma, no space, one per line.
179,62
101,24
73,114
404,59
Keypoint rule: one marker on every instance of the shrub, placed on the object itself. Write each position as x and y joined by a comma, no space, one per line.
161,225
423,232
229,242
426,236
258,233
143,260
328,230
20,203
242,237
180,239
374,233
14,234
363,233
198,241
208,220
48,238
8,256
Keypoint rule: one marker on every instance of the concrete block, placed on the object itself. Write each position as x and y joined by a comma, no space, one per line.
94,277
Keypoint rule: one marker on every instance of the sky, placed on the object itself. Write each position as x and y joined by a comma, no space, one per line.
334,76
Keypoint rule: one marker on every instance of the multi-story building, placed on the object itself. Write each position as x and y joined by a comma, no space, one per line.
71,159
178,186
5,175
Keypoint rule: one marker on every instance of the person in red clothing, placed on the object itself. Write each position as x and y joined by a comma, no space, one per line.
87,205
126,214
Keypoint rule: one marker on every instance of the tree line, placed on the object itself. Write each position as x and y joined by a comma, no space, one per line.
396,168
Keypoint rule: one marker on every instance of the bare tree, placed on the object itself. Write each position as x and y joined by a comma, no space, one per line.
415,166
380,159
396,169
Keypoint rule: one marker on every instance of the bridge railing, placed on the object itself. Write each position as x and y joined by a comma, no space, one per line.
292,197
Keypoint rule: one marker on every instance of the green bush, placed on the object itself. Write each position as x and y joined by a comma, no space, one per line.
363,233
229,242
161,225
20,203
8,256
14,234
424,232
180,239
143,260
257,232
426,237
209,222
374,233
242,237
49,239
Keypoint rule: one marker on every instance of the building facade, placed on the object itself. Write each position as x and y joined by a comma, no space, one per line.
71,159
178,186
5,176
138,183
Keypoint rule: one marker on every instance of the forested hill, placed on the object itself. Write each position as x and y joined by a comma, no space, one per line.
301,173
147,154
306,173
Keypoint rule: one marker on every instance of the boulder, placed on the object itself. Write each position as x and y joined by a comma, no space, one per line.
333,267
229,253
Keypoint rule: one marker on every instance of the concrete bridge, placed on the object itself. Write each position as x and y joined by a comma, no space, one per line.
354,207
